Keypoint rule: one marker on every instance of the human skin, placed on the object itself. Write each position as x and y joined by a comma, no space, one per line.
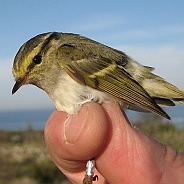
123,154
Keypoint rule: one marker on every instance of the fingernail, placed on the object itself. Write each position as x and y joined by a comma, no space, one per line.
74,125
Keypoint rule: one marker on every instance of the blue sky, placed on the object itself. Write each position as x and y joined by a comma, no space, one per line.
151,32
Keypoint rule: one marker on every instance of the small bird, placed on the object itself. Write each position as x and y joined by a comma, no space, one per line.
73,69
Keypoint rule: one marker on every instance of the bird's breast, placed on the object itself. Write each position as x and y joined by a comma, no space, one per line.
69,95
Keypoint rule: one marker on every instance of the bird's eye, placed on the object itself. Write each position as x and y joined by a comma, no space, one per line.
37,59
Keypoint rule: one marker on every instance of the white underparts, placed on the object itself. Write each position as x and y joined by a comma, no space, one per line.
69,95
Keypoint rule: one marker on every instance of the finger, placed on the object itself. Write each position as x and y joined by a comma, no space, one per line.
128,154
74,139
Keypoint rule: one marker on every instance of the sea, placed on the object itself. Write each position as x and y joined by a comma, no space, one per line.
36,119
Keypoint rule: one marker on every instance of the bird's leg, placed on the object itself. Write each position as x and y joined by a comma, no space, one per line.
89,176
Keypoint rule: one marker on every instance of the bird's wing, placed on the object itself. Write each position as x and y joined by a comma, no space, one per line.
104,74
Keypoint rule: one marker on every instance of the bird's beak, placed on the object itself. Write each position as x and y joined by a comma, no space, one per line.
18,84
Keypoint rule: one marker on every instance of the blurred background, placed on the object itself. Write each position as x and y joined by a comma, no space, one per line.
151,32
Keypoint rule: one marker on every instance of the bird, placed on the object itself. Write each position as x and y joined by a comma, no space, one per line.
73,69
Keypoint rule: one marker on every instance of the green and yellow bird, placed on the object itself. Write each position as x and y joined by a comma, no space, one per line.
73,69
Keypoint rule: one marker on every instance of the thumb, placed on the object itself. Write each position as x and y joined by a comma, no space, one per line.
74,139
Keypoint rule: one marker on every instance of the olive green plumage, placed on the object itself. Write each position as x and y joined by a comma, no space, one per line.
73,70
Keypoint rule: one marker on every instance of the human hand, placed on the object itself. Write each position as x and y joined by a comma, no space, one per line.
123,154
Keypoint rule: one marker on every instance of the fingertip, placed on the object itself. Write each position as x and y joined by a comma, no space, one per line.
89,129
86,133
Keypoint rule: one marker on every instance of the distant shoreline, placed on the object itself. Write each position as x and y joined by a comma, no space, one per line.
36,119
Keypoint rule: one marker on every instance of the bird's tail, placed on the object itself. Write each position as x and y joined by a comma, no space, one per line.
162,91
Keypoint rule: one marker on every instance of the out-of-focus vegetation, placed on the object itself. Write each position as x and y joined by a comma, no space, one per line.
162,130
24,158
